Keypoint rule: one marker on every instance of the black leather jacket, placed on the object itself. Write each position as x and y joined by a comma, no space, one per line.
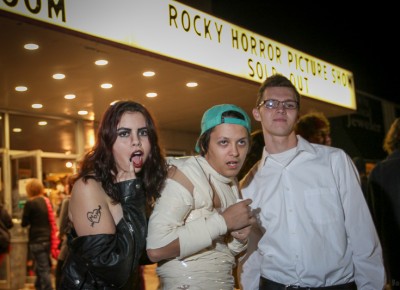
110,261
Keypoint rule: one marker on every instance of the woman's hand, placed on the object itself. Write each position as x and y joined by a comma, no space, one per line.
123,175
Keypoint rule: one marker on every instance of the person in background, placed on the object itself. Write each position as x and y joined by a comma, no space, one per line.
315,128
6,224
35,215
316,228
254,154
64,228
198,226
117,182
384,199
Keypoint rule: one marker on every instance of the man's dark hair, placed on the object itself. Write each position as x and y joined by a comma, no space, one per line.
276,80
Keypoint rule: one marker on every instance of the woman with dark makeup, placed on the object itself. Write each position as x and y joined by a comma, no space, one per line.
118,181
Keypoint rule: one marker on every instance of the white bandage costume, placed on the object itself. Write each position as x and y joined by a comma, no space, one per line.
207,251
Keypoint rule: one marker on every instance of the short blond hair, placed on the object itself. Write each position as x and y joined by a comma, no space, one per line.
34,187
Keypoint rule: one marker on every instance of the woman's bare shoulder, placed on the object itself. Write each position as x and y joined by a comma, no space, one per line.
89,208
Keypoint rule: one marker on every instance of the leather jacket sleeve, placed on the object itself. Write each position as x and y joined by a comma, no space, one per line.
109,261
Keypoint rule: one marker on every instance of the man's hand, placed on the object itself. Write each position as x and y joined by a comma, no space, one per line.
238,216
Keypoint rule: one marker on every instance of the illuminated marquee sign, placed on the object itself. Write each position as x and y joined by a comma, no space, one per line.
178,31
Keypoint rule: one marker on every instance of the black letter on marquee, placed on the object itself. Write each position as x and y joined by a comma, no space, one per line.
172,16
185,15
207,28
12,3
60,7
37,9
235,43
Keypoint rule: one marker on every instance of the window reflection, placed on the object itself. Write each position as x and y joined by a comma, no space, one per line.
56,136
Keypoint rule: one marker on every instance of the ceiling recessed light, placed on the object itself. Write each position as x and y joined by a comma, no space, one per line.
31,46
101,62
149,73
37,106
151,95
192,84
69,96
21,89
106,86
17,130
59,76
42,123
83,112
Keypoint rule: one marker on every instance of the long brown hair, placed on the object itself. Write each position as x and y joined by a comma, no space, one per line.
100,165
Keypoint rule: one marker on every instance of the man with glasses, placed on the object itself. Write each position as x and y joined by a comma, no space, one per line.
314,227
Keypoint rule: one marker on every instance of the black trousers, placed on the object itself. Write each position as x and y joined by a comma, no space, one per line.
266,284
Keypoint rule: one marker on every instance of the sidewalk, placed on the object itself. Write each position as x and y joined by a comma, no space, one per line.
149,272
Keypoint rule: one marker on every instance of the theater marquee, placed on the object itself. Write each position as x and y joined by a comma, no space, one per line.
172,29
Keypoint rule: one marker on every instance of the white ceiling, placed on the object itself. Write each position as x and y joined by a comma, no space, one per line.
176,107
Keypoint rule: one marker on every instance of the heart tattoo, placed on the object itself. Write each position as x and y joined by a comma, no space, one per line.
94,216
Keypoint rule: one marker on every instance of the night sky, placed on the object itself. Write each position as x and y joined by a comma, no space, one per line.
361,40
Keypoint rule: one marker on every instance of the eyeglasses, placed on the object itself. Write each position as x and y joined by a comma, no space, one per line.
273,104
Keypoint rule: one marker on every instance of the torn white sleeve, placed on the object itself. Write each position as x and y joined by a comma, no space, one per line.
199,234
168,215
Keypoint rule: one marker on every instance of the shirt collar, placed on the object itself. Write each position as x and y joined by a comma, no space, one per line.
302,145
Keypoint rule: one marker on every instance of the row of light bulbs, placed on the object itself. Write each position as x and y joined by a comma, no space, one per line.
60,76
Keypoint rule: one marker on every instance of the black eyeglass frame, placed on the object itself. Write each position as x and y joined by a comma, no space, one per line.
274,104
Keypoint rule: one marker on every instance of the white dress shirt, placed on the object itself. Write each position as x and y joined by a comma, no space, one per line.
316,227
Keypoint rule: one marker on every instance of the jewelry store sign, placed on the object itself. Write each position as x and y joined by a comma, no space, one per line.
172,29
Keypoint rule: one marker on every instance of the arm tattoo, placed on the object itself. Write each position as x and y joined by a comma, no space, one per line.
94,216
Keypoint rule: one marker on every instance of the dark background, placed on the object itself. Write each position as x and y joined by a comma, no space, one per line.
361,39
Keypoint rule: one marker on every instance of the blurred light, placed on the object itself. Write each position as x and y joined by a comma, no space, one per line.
149,73
192,84
68,164
21,89
59,76
106,86
101,62
42,123
31,46
83,112
17,130
37,106
69,97
151,95
90,135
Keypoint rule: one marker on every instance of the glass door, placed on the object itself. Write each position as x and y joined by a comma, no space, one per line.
23,167
20,166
